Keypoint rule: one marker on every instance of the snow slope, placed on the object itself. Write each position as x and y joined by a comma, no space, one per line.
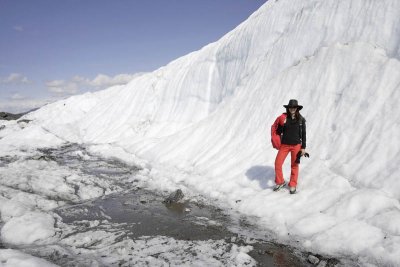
203,122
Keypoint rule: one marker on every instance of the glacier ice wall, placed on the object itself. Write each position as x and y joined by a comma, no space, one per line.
339,58
209,114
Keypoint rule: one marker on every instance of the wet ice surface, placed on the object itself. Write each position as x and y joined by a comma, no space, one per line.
141,213
111,220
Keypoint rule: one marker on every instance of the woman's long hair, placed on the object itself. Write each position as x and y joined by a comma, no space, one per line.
297,115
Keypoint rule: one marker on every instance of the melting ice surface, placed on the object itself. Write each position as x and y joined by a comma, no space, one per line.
121,224
201,123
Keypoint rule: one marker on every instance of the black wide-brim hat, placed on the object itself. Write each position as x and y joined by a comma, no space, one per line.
293,104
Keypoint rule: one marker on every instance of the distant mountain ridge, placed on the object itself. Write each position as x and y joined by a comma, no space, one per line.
11,116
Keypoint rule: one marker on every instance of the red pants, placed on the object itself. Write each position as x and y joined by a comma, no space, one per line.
280,158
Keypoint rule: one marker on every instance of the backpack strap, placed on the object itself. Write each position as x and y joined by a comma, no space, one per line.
282,119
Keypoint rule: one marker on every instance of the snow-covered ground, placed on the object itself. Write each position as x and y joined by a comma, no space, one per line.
202,123
48,209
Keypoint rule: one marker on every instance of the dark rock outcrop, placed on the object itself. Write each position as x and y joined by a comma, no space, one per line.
174,197
9,116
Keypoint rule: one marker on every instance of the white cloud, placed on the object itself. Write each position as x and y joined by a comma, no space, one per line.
18,103
62,87
55,83
103,80
79,83
14,78
17,96
18,28
22,105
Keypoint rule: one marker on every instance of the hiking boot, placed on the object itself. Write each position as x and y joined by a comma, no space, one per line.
292,190
279,186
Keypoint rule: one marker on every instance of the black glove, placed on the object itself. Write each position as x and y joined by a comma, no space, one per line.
299,156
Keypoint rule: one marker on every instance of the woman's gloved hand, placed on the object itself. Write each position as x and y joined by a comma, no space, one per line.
299,154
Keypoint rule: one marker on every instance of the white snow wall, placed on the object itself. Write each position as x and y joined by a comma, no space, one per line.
210,112
339,58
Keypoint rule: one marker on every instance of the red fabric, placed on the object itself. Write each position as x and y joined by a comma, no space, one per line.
275,137
280,158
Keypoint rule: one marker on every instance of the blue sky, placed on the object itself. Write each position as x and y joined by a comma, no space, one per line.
52,48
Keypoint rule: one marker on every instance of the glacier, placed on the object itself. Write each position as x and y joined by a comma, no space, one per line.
202,123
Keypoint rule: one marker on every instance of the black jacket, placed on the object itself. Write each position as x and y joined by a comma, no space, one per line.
294,132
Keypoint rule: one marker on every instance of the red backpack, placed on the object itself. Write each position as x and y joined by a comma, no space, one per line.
276,131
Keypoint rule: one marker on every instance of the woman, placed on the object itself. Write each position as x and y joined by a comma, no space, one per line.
291,128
